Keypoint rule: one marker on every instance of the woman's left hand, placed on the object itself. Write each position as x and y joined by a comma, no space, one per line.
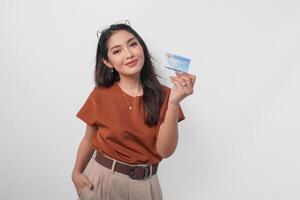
183,87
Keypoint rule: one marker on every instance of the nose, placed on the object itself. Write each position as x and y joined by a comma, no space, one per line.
128,52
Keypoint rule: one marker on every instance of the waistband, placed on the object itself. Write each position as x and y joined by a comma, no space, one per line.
137,172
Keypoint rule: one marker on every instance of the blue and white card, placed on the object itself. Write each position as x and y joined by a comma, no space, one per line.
176,62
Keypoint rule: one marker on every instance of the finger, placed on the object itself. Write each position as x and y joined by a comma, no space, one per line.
185,83
187,79
186,75
193,77
176,83
186,89
80,184
79,190
180,80
87,182
190,78
179,73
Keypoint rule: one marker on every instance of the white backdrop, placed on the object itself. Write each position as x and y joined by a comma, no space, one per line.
240,137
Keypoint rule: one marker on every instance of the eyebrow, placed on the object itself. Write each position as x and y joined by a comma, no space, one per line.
127,43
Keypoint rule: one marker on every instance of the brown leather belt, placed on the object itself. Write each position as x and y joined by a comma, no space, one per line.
134,172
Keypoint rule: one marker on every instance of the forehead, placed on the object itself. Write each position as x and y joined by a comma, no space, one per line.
119,37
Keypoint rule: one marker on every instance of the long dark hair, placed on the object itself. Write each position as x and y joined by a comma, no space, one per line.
153,93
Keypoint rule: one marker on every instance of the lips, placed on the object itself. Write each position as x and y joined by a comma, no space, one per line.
131,63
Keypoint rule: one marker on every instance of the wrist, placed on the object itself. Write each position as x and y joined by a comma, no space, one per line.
172,110
76,172
173,105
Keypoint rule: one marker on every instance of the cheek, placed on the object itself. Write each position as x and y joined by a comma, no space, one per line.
116,60
143,57
141,52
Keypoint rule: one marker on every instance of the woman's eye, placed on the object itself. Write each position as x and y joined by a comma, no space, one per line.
133,44
115,52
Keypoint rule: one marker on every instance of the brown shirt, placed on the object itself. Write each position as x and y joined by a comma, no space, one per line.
122,133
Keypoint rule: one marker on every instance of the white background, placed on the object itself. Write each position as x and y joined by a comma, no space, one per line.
240,139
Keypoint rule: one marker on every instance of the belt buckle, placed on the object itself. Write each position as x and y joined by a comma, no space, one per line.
133,168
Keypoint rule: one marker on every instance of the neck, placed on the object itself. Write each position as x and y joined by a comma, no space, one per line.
131,86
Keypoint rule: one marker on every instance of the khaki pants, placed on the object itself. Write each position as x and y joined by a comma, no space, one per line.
111,185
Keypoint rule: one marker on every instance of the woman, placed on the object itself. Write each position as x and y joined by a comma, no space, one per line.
131,121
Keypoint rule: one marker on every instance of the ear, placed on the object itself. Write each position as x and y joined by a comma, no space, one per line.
107,63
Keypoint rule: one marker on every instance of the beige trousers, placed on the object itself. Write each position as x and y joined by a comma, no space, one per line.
111,185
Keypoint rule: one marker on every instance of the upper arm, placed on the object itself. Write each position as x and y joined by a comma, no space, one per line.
90,132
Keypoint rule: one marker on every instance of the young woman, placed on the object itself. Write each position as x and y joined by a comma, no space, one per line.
131,121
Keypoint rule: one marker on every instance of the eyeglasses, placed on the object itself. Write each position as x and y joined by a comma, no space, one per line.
100,31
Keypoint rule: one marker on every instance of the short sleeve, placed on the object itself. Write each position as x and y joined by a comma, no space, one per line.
88,113
165,107
180,114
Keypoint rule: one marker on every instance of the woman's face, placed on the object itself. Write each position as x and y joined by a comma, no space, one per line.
125,54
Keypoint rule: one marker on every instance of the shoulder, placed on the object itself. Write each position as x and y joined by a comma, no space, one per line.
101,90
97,93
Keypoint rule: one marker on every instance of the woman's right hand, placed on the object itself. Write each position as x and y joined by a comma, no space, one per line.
80,181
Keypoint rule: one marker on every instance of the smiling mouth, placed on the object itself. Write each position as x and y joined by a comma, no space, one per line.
132,63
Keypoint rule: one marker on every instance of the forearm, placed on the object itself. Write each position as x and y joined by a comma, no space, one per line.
84,154
167,138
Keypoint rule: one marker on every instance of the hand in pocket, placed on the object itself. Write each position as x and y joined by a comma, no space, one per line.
80,181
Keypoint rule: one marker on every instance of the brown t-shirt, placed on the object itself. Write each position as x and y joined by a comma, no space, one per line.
122,133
